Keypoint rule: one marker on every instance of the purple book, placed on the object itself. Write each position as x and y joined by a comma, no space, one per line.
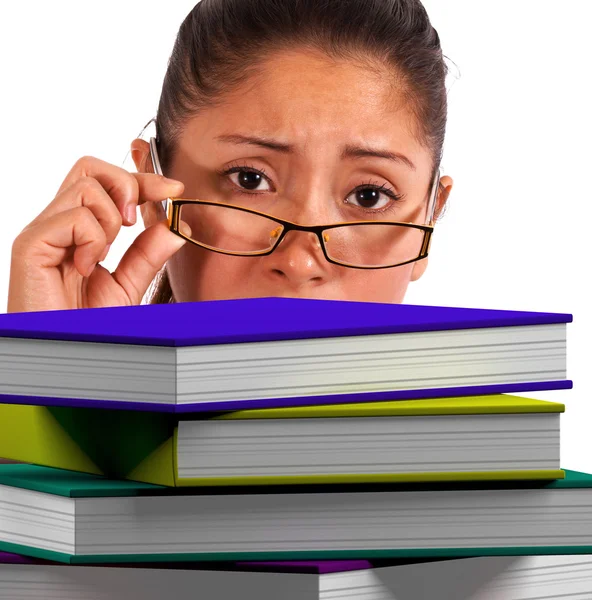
272,352
319,567
18,559
508,577
21,577
302,566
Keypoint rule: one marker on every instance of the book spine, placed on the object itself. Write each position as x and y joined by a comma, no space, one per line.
113,443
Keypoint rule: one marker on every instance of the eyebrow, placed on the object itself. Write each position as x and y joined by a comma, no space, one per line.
349,151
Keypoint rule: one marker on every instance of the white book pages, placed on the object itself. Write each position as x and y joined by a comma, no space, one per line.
486,578
283,369
231,523
385,444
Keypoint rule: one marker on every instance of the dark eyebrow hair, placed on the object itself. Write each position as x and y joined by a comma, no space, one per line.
348,151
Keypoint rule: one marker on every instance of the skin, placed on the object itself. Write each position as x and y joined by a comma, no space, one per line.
300,98
317,106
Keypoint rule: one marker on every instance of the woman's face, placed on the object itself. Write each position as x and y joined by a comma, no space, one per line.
315,108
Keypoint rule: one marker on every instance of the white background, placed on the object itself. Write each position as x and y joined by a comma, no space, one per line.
82,78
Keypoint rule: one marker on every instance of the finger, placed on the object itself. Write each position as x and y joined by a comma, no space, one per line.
126,189
146,257
48,243
154,188
87,192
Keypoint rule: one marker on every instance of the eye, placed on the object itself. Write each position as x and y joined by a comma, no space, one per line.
372,197
369,197
247,179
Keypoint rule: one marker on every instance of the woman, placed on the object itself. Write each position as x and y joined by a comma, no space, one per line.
312,113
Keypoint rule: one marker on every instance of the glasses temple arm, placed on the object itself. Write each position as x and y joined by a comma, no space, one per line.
167,203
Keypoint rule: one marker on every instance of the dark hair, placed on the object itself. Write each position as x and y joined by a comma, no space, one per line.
221,43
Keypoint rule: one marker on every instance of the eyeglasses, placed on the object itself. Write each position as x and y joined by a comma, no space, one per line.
240,231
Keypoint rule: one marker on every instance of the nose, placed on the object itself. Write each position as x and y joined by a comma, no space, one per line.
298,261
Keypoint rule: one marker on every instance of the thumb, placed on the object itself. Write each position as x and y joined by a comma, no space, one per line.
146,257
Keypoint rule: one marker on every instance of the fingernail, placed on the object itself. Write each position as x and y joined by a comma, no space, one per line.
130,213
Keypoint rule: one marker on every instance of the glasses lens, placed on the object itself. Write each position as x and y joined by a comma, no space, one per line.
373,245
228,229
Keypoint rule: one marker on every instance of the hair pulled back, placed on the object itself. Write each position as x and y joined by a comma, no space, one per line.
221,44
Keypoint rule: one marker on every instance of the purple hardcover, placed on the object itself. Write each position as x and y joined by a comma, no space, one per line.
302,566
8,557
309,566
258,320
254,320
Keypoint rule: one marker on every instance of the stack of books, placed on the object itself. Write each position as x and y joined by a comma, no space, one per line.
288,448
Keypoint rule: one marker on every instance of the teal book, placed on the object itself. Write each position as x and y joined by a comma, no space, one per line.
80,518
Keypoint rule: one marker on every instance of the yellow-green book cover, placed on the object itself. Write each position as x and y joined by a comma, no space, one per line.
493,437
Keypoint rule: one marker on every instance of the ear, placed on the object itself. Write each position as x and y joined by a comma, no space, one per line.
445,188
443,193
151,212
140,150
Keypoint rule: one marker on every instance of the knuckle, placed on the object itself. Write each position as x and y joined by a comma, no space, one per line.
96,205
84,213
20,244
99,237
86,218
133,182
84,162
111,227
127,186
24,244
114,219
88,184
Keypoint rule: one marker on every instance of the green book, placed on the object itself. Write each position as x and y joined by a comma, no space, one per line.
495,437
80,518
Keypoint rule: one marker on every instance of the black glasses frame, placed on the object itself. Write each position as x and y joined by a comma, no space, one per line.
172,209
287,226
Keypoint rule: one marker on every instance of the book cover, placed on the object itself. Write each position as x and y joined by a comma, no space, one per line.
295,566
71,484
190,357
255,320
558,520
142,446
479,578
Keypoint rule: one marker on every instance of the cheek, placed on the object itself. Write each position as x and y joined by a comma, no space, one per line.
386,285
197,275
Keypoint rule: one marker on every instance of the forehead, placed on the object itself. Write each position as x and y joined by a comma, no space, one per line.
313,99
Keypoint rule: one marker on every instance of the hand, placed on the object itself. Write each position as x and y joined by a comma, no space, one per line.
54,263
